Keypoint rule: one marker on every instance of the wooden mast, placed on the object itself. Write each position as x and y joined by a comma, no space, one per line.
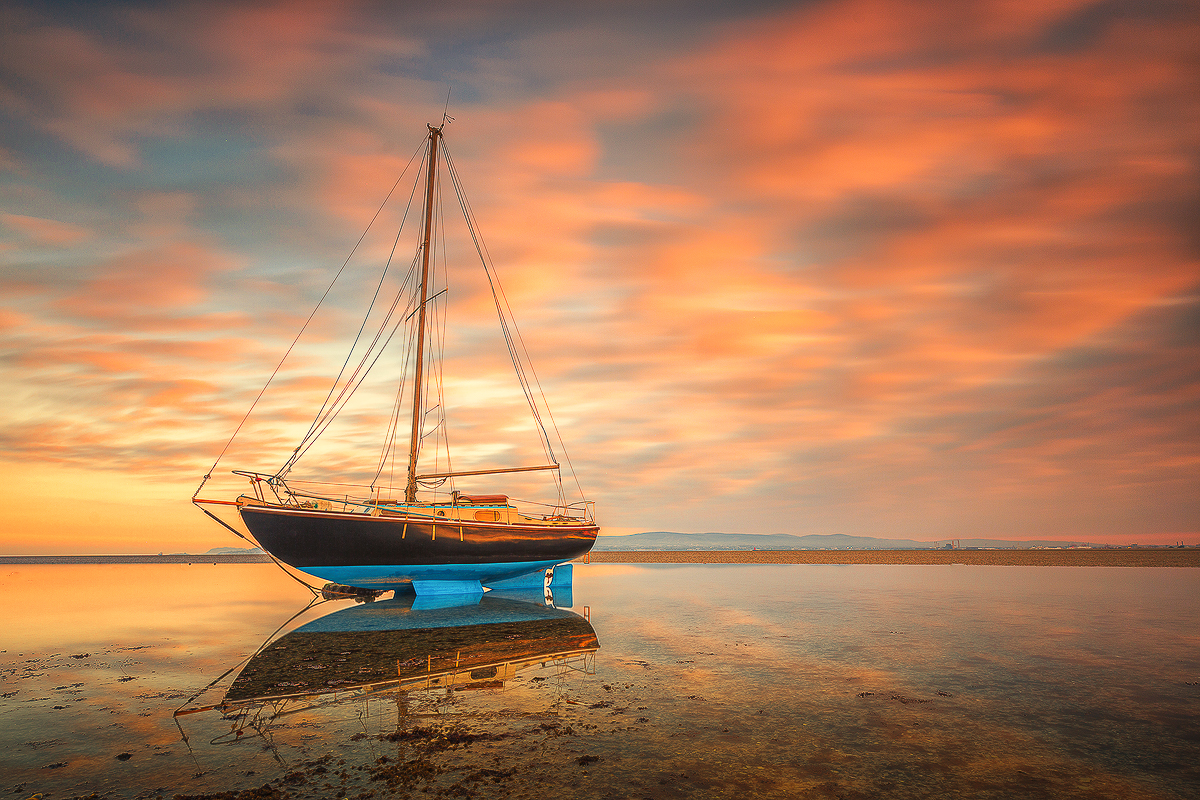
410,492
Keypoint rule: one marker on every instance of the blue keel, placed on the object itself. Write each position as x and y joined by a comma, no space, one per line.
460,583
561,577
427,588
401,576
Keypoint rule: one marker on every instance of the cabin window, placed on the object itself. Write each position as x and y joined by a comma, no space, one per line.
487,516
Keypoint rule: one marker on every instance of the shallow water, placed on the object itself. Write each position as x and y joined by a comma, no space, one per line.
716,681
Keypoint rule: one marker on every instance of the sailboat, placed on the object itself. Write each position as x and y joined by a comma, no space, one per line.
431,541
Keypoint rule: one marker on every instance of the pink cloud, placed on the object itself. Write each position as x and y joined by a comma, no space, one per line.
46,231
164,278
98,97
10,320
123,354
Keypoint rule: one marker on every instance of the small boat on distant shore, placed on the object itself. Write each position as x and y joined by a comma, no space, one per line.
371,536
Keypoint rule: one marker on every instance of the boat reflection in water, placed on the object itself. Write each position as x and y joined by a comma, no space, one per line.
403,645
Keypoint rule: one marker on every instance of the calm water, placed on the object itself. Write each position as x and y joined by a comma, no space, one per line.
660,681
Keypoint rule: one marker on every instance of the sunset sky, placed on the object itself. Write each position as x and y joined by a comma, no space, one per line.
902,269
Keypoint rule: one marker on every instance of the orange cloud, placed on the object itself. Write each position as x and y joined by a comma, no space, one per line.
168,277
46,231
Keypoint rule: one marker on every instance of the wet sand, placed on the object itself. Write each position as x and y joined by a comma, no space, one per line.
731,684
1185,557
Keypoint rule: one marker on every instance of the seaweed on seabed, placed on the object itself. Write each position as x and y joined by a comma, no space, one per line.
437,740
264,792
296,777
404,773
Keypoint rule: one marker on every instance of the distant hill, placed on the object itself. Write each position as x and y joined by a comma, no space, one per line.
666,540
233,551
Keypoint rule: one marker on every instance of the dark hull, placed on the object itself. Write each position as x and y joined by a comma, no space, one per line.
391,551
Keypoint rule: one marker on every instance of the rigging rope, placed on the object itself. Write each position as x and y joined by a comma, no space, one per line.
304,327
355,380
278,563
345,386
315,601
378,287
438,344
389,436
502,305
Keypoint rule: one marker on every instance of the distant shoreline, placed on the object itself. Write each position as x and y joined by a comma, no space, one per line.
1186,557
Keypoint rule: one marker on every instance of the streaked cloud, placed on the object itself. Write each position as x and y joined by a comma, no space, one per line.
45,231
864,266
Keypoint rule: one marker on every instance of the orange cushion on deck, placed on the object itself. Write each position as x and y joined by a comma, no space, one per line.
484,498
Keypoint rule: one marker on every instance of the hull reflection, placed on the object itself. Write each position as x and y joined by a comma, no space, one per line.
398,645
